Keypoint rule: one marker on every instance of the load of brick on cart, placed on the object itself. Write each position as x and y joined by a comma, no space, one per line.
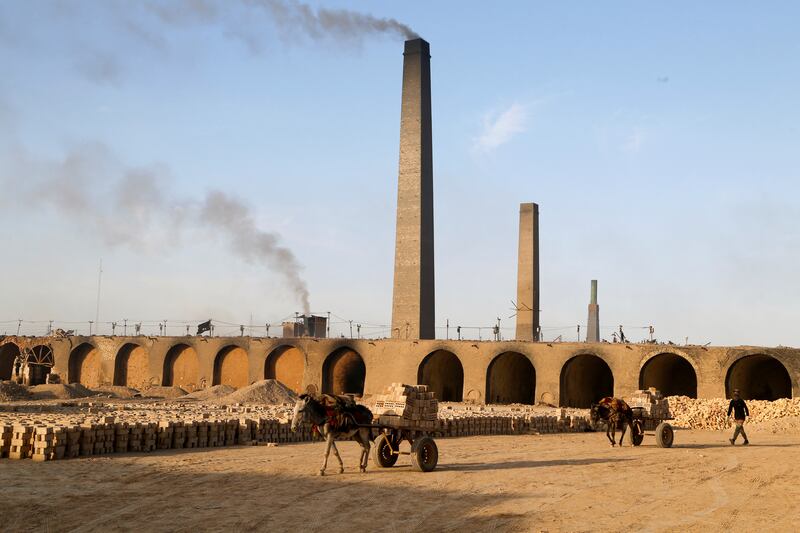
403,405
655,406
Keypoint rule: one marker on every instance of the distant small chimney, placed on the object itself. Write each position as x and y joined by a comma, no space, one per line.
593,327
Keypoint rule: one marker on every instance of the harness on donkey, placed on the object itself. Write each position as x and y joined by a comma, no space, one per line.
336,418
340,412
616,413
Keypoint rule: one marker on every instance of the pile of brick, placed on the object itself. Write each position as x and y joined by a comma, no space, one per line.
713,413
89,428
651,400
50,436
460,421
406,406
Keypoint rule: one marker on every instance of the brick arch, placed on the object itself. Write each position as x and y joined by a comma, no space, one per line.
231,367
511,378
344,371
759,376
181,367
287,364
585,378
671,373
84,365
132,366
443,373
8,354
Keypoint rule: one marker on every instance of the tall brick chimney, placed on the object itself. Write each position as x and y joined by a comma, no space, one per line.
528,273
413,314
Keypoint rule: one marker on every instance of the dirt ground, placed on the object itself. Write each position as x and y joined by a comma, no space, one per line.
565,482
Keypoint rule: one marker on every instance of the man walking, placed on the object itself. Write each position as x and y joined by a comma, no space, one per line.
740,412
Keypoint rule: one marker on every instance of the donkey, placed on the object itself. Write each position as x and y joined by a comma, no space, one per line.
616,414
335,418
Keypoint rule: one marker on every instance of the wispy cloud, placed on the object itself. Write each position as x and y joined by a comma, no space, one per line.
500,128
634,141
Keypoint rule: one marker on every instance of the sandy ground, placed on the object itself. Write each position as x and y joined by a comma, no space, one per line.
569,482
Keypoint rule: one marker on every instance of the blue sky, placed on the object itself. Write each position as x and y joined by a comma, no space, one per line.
660,141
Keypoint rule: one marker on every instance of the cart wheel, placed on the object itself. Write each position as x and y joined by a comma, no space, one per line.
637,433
382,452
424,454
664,435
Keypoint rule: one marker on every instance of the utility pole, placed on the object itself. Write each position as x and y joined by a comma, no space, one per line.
358,329
328,326
351,328
579,333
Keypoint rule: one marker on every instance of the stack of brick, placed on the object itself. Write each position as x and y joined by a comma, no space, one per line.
43,443
164,436
202,434
653,403
150,432
6,433
407,406
121,437
73,441
191,434
178,435
22,435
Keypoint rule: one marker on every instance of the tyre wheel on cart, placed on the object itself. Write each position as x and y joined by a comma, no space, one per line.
664,435
637,433
382,452
424,454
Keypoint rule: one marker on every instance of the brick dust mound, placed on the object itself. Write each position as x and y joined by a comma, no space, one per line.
118,391
11,391
267,391
60,391
163,392
212,393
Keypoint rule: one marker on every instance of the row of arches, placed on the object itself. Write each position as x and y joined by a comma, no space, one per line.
510,377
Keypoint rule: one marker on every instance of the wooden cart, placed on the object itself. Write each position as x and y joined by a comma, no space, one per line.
386,447
644,424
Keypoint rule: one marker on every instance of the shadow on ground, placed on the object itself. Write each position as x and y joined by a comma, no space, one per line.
513,465
129,494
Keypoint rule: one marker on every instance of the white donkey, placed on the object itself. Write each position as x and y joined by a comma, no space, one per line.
336,418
